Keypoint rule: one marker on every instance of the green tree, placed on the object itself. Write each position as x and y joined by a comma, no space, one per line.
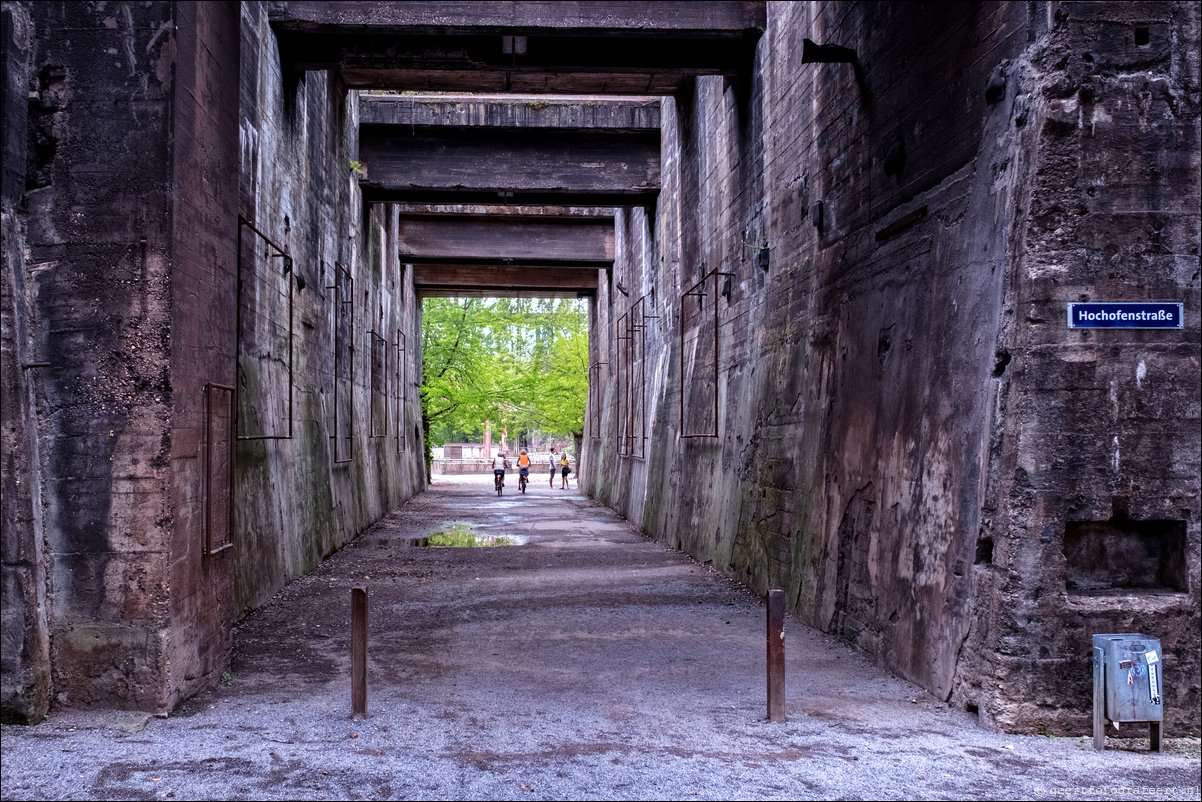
517,362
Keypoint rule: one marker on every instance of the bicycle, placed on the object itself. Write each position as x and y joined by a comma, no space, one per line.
522,478
499,481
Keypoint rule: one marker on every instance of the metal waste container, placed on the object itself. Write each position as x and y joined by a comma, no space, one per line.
1128,684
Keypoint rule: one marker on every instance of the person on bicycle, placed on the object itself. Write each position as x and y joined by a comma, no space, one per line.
524,465
499,464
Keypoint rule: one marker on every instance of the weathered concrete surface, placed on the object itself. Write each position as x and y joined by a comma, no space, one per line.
91,266
558,150
589,663
203,151
24,643
906,430
499,238
355,450
152,130
504,280
626,48
905,436
1097,431
571,112
527,166
612,16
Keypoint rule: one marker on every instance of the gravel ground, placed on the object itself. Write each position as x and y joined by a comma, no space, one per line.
588,663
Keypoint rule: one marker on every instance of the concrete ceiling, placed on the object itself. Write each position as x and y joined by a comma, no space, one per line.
576,151
617,47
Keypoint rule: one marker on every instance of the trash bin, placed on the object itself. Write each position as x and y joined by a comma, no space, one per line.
1128,684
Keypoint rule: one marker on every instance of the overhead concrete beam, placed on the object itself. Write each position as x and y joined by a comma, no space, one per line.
662,17
593,213
580,112
591,47
502,279
485,165
435,149
492,239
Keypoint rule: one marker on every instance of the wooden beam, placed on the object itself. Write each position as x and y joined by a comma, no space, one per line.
487,239
521,165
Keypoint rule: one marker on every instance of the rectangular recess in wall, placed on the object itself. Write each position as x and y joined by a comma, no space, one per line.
378,412
219,467
264,337
401,383
699,356
1125,556
594,399
343,431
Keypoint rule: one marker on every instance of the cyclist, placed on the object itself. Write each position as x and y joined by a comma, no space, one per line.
524,466
499,464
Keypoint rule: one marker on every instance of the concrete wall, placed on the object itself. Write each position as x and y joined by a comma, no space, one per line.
906,428
906,435
24,643
296,503
1094,458
151,130
93,276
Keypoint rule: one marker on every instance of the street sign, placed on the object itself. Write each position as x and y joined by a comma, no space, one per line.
1140,315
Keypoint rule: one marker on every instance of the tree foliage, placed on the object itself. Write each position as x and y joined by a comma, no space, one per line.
517,362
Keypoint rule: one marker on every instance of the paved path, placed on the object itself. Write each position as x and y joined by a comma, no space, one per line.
589,663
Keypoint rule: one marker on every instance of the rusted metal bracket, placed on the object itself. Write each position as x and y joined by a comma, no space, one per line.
279,253
219,535
401,371
344,359
379,385
632,385
594,384
697,290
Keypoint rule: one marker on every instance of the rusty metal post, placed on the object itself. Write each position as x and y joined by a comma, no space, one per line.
359,652
776,654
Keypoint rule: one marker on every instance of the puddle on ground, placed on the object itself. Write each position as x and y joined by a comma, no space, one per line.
461,536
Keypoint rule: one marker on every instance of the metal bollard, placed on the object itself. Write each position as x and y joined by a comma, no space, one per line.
359,652
776,654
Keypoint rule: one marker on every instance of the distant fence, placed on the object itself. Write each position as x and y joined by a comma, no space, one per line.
485,465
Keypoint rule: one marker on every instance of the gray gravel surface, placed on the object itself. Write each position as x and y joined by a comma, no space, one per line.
588,663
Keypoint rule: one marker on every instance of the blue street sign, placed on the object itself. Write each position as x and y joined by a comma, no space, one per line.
1125,316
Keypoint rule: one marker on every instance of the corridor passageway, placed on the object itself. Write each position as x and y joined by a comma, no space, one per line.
849,271
587,663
